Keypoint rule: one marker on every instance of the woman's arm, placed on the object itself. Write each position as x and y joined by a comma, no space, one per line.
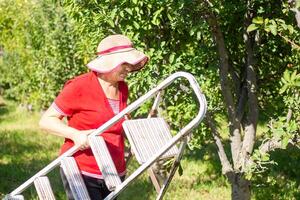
51,121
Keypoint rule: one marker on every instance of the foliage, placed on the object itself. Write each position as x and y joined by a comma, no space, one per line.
26,149
279,181
47,42
284,128
59,49
39,51
169,34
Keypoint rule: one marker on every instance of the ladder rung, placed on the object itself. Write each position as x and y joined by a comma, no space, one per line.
105,162
16,197
43,188
148,136
75,179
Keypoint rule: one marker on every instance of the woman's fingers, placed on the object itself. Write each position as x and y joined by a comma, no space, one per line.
81,139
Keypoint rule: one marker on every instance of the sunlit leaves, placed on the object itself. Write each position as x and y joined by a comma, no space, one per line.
258,20
252,27
290,80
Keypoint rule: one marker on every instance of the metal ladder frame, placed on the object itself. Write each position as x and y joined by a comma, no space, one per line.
180,135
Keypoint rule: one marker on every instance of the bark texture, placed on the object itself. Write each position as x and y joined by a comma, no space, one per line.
240,150
234,123
240,188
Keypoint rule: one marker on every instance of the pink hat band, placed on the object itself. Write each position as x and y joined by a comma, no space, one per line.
113,49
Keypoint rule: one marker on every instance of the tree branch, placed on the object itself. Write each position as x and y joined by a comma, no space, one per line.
297,16
235,79
270,145
234,124
273,144
292,4
250,129
240,108
226,166
289,115
297,46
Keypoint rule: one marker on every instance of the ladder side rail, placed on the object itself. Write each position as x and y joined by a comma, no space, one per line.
44,171
183,132
155,105
153,112
165,83
179,136
17,197
173,170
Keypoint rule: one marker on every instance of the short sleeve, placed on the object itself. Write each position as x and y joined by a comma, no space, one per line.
65,102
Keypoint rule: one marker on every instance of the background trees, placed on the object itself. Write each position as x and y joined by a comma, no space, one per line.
245,55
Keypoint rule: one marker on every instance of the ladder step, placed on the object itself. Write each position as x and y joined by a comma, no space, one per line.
43,188
75,179
16,197
147,137
105,162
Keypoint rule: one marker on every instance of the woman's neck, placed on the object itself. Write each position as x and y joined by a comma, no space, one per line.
111,89
106,80
106,83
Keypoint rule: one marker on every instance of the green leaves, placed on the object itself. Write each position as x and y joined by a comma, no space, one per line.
43,57
258,20
257,23
252,27
273,26
290,80
284,130
156,16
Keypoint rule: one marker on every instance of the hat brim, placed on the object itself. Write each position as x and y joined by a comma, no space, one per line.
108,62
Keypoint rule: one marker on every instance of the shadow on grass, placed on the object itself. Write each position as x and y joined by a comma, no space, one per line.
21,159
208,154
138,189
281,181
3,110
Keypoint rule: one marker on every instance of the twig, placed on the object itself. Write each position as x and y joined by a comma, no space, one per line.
290,41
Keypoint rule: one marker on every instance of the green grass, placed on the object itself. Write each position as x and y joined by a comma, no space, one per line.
25,149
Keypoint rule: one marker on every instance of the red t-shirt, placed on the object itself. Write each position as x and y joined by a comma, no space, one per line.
83,101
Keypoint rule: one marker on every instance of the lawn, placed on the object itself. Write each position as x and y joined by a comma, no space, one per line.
25,149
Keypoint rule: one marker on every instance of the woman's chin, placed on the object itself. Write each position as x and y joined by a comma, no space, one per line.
122,77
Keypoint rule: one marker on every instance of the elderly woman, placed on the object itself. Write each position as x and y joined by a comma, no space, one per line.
90,100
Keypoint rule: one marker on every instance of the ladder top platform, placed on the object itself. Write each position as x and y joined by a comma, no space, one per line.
147,137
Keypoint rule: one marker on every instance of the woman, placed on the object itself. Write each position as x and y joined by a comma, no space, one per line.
90,100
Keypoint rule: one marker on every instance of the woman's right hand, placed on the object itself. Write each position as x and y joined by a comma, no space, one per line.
80,139
51,121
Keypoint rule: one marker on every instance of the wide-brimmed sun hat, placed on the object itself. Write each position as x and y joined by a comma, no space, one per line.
114,51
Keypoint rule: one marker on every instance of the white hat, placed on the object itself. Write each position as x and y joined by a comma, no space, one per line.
114,51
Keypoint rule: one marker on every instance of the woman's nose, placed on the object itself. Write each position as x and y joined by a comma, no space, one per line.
128,68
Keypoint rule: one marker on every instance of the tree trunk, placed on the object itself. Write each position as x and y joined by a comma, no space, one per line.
240,188
240,151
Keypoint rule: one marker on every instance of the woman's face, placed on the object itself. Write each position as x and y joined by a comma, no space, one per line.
120,73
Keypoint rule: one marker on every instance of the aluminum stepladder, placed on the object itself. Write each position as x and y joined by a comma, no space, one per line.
146,155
